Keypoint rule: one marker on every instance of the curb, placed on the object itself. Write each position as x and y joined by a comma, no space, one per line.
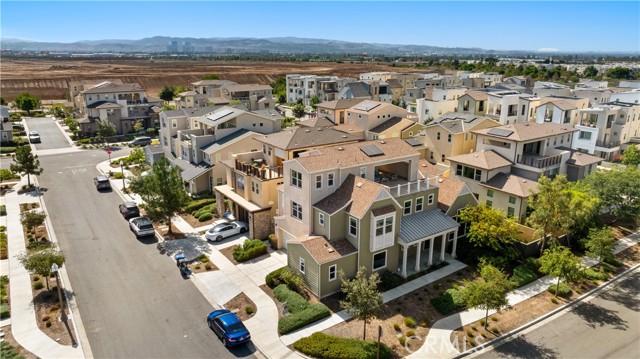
66,135
495,342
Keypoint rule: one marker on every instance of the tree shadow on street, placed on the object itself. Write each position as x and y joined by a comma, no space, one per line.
520,347
597,316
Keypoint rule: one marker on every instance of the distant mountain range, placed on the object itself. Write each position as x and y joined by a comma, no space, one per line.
276,45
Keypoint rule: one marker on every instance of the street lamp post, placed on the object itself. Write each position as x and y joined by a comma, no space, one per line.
63,314
124,186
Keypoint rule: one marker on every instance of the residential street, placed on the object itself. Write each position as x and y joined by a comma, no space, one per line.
133,301
50,134
607,326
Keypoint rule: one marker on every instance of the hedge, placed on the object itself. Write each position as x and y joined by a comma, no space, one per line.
205,217
251,248
273,279
522,275
197,204
593,274
208,209
286,276
7,149
302,313
320,345
564,290
449,301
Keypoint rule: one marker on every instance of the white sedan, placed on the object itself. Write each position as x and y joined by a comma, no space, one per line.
34,137
223,230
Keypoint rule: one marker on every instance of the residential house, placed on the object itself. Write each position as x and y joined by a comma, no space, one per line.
395,127
451,135
359,90
473,102
336,110
367,115
595,95
427,110
546,89
121,104
189,99
255,97
362,204
560,110
211,88
329,90
305,87
508,107
632,96
77,87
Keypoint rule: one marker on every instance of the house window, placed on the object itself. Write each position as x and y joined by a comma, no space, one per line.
321,219
489,203
431,155
384,226
296,179
407,207
257,186
379,260
330,180
430,199
449,138
438,136
489,193
264,149
419,204
512,199
353,226
219,181
511,211
318,181
333,272
442,158
302,266
459,170
584,135
296,210
363,172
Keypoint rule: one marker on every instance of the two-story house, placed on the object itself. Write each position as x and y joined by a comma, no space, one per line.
253,96
560,110
473,102
211,88
363,204
336,110
508,107
451,135
369,114
120,104
546,89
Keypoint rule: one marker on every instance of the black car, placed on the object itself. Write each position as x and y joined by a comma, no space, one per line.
129,209
102,182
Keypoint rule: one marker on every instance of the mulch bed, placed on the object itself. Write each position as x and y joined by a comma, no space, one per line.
163,229
8,338
239,305
228,252
5,187
195,223
199,267
47,308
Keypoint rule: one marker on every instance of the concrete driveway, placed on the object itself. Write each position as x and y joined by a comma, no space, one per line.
50,134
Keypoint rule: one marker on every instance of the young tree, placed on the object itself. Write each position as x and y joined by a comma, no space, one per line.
138,126
314,101
590,71
162,191
489,227
488,293
40,262
617,189
631,156
26,163
299,111
3,102
32,219
550,207
560,263
166,93
362,298
105,129
27,102
600,244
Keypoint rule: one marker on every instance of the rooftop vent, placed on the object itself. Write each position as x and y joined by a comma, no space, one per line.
340,149
359,184
382,142
319,129
307,131
344,136
524,181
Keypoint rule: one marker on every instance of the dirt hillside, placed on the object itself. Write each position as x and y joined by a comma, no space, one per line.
48,78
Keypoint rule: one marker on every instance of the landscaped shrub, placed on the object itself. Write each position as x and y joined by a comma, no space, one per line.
273,279
117,175
84,141
389,280
3,210
613,261
286,276
302,313
320,345
7,174
7,149
249,310
410,333
205,217
563,291
208,266
396,326
449,301
410,322
522,275
197,204
593,274
273,241
208,209
251,248
38,285
533,264
5,312
4,252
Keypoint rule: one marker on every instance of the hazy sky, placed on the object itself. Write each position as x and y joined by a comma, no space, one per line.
504,25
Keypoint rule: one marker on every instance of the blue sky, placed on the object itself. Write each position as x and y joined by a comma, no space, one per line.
503,25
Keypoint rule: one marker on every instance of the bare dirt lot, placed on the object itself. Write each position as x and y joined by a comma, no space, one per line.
48,78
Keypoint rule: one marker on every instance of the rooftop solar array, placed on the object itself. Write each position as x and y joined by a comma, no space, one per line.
218,115
367,106
414,142
371,150
500,132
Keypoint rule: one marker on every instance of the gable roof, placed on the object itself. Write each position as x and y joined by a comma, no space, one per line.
390,123
581,159
317,122
323,250
477,95
349,155
356,193
340,104
449,189
108,87
247,87
394,83
358,89
427,169
512,184
486,160
303,137
104,105
527,131
456,122
218,145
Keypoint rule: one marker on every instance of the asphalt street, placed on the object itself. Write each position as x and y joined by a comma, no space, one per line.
50,135
132,300
607,326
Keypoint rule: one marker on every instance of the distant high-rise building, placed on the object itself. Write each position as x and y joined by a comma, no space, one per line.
173,46
187,48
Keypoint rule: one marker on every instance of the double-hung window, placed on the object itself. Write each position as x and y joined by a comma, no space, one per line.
296,179
353,226
296,210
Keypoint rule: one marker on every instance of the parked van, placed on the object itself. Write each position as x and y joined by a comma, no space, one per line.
140,141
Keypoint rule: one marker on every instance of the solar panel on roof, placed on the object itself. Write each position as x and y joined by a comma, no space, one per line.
371,150
414,142
367,106
500,132
217,116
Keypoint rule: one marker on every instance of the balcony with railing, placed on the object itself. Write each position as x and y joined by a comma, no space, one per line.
607,144
401,187
259,169
538,161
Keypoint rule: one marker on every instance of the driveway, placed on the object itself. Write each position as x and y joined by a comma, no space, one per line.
132,300
50,134
608,326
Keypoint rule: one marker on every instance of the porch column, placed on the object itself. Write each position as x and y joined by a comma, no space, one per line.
404,261
444,244
418,250
430,262
455,242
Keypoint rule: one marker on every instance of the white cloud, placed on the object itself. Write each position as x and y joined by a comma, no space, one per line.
548,49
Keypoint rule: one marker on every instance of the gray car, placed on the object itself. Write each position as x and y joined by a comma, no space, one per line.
102,183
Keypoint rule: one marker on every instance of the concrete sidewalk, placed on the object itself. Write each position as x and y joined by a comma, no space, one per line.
23,320
438,342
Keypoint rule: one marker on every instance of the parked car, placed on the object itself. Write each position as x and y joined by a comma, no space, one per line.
140,141
34,137
223,230
102,182
129,209
141,227
228,327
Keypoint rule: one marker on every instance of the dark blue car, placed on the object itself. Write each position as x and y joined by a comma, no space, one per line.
228,327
